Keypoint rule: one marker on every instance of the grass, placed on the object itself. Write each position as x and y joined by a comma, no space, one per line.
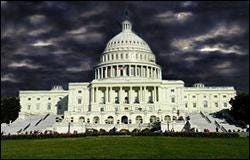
126,147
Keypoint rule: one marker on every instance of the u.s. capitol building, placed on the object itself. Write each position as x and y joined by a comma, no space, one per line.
127,92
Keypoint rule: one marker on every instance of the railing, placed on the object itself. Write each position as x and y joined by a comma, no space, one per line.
219,126
38,121
26,127
19,131
208,119
223,129
46,116
205,117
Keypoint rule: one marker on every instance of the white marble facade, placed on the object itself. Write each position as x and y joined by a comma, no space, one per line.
127,89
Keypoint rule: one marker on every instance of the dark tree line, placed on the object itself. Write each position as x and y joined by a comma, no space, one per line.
10,107
240,107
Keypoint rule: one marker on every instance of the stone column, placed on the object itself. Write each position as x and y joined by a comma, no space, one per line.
157,94
151,72
111,71
102,73
147,72
120,96
117,71
142,74
98,73
106,95
143,94
154,69
153,94
129,70
130,95
106,72
109,95
95,94
92,94
125,71
155,90
136,70
140,95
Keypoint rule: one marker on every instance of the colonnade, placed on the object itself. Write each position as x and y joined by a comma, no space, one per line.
121,95
127,70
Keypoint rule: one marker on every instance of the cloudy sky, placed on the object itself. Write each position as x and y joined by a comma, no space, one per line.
46,43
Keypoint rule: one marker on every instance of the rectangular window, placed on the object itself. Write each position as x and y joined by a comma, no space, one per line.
102,109
185,96
224,96
225,104
194,105
29,106
186,105
216,104
215,96
172,90
29,99
37,106
194,96
79,91
173,100
49,106
79,101
102,100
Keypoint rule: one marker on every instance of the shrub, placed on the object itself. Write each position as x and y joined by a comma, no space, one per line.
103,132
124,131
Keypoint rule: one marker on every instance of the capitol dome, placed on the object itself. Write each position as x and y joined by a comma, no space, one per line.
127,55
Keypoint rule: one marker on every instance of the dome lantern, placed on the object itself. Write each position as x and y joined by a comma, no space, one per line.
126,26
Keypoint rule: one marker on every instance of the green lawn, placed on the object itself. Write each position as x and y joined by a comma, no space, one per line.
126,147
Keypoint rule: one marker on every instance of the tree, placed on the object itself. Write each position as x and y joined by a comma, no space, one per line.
10,107
240,107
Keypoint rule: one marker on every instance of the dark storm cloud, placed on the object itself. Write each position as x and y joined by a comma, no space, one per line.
45,43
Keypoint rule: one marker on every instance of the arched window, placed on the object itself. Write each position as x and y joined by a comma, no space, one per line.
167,118
82,119
139,119
205,104
152,119
174,118
110,120
124,119
96,120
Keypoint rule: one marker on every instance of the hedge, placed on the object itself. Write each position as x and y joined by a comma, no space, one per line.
124,132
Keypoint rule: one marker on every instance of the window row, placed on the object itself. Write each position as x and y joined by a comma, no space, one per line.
205,104
60,98
215,96
127,70
120,56
59,106
125,42
126,120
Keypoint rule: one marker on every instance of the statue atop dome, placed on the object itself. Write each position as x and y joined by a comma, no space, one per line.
126,14
126,24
